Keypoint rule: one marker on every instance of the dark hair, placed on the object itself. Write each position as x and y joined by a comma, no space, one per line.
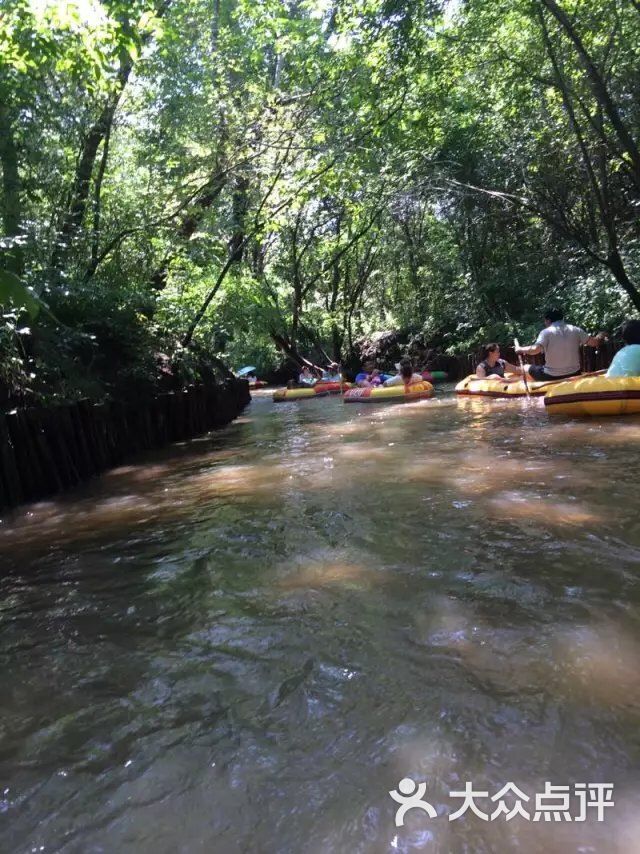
406,368
553,314
631,332
489,348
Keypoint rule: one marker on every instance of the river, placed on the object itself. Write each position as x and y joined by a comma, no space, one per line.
243,643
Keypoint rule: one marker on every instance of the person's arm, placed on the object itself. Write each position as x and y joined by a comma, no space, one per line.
532,350
393,381
595,340
537,347
512,369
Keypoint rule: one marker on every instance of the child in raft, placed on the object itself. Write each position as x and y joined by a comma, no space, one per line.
305,379
626,362
492,367
405,375
369,377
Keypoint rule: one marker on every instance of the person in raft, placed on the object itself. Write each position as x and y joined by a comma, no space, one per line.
405,375
560,342
306,377
332,373
492,367
626,362
369,376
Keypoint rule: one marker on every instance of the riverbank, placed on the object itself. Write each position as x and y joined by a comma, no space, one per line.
44,451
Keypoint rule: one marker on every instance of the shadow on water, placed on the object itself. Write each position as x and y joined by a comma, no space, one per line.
245,642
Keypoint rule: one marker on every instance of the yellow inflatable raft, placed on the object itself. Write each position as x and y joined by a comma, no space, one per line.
473,385
415,391
318,390
595,395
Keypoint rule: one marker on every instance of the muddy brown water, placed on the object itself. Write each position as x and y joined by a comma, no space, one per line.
245,642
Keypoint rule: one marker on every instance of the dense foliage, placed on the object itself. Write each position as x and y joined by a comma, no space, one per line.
255,180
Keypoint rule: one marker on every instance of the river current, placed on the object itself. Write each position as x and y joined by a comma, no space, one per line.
244,643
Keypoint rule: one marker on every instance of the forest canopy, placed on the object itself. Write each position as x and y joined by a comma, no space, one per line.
251,181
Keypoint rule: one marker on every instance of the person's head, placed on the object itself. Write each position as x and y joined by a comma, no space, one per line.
375,372
163,362
631,332
369,366
552,315
306,370
333,367
491,352
406,369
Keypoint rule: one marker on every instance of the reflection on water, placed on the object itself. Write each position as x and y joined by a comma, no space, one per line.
243,643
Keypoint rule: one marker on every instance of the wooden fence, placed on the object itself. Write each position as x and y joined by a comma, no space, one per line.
44,451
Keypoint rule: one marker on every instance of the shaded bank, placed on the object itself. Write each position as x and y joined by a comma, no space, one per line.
44,451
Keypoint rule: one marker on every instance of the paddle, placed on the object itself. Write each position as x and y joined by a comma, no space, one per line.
524,373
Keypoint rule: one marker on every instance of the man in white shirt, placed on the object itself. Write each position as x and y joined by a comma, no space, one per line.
560,342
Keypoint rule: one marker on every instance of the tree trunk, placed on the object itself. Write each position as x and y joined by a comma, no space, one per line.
240,205
11,202
189,225
79,195
295,315
337,338
186,341
289,348
74,216
616,265
599,88
215,26
97,201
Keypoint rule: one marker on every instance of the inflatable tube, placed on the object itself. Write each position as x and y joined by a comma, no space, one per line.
416,391
318,390
473,385
435,376
595,395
